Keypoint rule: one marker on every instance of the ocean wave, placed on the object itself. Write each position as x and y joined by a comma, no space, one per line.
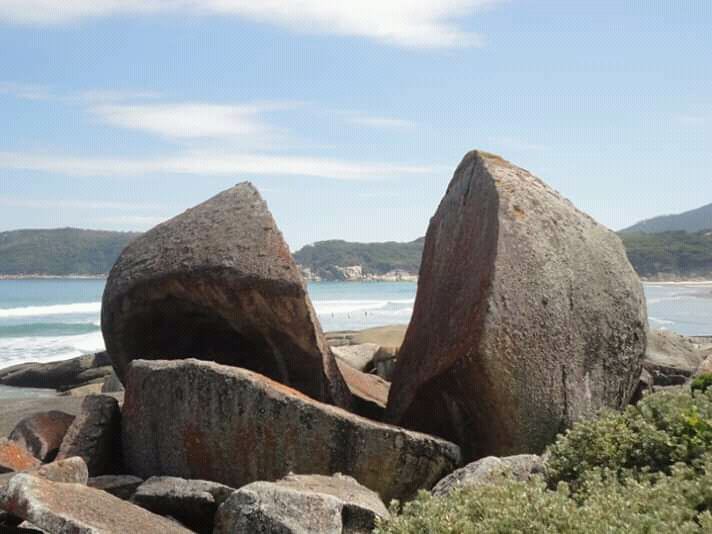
46,349
655,320
53,309
328,307
48,329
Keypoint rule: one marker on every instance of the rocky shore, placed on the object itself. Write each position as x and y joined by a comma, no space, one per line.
224,407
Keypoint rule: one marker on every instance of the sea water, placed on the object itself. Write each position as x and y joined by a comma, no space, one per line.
55,319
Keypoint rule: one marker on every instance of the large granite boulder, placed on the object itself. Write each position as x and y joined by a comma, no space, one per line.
218,282
75,508
42,433
197,419
301,504
528,316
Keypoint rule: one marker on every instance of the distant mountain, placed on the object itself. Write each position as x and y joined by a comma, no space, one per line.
324,258
670,254
60,251
689,221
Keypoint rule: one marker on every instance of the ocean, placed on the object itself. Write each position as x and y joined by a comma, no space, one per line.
54,319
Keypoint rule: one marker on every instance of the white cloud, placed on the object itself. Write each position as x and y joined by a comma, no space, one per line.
210,163
45,93
410,23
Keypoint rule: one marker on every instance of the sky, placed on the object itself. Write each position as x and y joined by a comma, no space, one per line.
350,117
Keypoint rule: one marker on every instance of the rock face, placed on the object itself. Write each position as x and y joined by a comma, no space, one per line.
218,283
192,502
75,508
197,419
369,392
671,358
95,436
489,470
301,504
42,433
14,457
58,375
528,316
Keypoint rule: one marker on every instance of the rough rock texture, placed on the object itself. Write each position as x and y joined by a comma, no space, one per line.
192,502
121,486
218,283
15,457
78,509
57,375
197,419
112,384
671,358
42,433
301,504
489,470
369,392
357,356
72,470
95,436
528,316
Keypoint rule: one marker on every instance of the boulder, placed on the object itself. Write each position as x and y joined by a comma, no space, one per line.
65,374
112,384
72,470
369,393
218,283
82,391
95,436
490,470
705,367
357,356
384,362
15,457
528,316
198,419
42,433
301,504
192,502
671,358
121,486
75,508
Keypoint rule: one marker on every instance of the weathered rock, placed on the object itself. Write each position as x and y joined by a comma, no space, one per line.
384,362
82,391
369,392
218,283
112,384
95,436
15,457
121,486
301,504
192,502
75,508
57,375
705,367
197,419
71,470
671,358
490,470
357,356
42,433
528,316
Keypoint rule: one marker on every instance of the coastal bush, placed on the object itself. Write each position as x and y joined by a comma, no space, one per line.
679,502
702,382
662,429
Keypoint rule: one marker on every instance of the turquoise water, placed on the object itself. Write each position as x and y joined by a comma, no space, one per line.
54,319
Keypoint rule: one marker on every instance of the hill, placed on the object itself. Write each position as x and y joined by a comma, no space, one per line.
676,254
60,251
689,221
323,257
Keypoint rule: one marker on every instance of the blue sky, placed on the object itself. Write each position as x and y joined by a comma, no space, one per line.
350,117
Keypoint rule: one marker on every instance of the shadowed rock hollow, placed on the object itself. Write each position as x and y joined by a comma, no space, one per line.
218,283
528,316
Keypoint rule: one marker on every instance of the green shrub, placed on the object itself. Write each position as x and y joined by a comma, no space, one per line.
677,503
662,429
702,382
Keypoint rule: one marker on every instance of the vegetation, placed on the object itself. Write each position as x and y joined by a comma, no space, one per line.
60,251
644,470
670,253
374,258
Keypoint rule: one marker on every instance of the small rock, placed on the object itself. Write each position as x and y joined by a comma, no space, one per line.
369,392
72,470
192,502
671,358
14,457
357,356
112,384
95,435
301,504
75,508
42,433
490,470
121,486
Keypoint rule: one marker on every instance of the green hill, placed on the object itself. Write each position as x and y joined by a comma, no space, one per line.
689,221
60,251
374,258
679,253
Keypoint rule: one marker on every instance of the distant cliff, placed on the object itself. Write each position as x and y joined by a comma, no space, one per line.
691,221
61,251
670,254
342,260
